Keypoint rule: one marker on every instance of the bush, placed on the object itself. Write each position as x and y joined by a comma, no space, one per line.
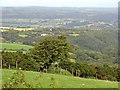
17,81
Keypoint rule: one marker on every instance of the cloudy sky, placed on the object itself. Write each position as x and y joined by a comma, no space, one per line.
61,3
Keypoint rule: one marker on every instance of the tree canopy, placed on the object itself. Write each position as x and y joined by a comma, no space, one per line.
51,49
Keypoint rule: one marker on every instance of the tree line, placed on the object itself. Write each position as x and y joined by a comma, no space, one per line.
56,52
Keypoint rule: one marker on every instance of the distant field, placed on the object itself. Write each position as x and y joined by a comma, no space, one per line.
44,80
23,29
74,34
11,46
3,29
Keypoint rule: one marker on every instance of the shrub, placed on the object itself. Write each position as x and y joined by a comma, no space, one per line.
17,81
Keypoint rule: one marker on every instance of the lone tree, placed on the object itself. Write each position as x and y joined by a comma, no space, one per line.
51,49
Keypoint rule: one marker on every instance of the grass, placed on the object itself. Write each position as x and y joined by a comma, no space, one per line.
12,46
74,34
23,35
61,81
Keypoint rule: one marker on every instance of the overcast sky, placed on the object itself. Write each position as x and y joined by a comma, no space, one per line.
61,3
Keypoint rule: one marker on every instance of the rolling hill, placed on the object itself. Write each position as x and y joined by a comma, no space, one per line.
57,12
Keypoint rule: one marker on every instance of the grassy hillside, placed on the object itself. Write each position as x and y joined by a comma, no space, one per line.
44,80
12,46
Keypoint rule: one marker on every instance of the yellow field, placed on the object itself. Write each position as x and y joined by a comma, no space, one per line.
4,27
23,29
18,28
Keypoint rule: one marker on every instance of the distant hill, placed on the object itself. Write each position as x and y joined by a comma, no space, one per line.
100,14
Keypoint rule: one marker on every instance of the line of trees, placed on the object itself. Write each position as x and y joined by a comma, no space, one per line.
56,51
81,69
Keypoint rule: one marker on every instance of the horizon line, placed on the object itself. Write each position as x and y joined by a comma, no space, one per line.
62,6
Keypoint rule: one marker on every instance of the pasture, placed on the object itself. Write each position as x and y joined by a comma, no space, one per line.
47,80
14,46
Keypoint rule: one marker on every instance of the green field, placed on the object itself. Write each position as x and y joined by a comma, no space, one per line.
74,34
45,80
12,46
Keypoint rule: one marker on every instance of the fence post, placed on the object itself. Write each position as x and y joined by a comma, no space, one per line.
9,66
16,65
76,72
96,75
46,69
1,64
72,72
